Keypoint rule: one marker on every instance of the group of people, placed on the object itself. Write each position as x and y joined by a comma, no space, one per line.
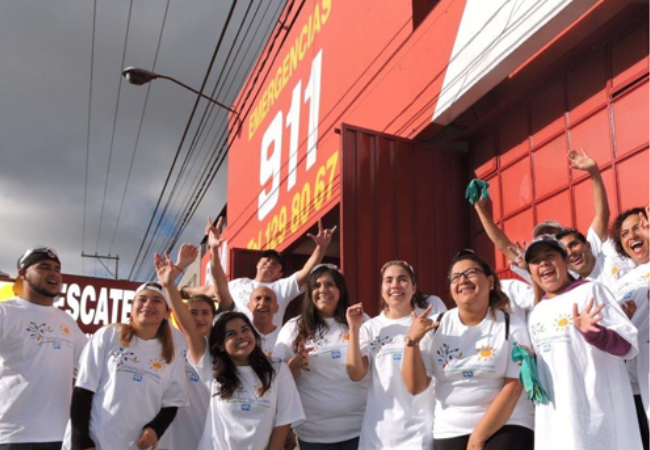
417,376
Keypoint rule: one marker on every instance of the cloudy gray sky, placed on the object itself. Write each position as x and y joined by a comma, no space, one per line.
45,74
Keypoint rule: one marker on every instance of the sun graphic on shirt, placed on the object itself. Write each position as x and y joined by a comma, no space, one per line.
345,336
156,364
562,321
485,353
65,330
645,276
614,270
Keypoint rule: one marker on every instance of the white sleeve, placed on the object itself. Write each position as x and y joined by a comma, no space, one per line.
613,317
594,241
365,339
289,408
79,342
519,293
203,367
284,344
3,325
93,359
428,353
438,305
176,392
521,272
518,335
288,288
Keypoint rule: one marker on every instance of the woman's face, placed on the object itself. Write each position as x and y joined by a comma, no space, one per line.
397,288
469,285
239,341
203,316
634,243
548,268
325,295
149,308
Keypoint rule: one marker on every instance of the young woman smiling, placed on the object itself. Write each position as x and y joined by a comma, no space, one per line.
581,337
478,397
130,383
315,344
254,401
394,418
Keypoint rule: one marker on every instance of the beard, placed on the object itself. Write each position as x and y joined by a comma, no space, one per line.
39,290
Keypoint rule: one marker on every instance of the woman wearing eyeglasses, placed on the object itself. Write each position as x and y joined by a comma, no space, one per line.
130,382
467,351
315,344
394,418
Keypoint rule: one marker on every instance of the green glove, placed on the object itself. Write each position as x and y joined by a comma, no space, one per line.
476,188
528,375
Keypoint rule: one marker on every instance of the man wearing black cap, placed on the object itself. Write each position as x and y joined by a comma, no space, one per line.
40,347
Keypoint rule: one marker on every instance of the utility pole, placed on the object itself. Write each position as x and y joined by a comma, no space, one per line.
115,258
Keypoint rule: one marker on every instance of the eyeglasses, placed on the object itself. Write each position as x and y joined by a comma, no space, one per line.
472,273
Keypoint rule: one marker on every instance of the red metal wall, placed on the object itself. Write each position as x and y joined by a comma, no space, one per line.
600,103
399,201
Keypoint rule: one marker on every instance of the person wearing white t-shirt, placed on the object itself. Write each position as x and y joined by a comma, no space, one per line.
254,400
479,401
315,345
270,272
40,347
581,337
131,381
394,418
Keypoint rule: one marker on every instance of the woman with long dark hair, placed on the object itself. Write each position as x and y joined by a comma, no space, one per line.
478,396
130,382
394,418
315,344
254,400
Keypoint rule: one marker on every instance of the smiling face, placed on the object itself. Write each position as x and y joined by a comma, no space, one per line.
268,270
580,257
202,315
42,279
633,242
239,341
397,289
325,295
470,287
549,270
263,304
149,308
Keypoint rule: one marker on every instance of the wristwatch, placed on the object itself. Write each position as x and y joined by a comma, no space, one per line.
410,342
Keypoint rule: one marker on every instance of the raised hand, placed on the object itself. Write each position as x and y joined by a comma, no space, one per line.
518,250
421,325
187,254
324,236
165,269
586,320
214,233
582,161
354,315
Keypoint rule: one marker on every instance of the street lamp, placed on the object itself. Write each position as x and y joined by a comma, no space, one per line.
139,77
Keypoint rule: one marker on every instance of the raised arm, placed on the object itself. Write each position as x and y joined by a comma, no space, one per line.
496,235
601,206
322,240
167,272
414,374
357,364
216,271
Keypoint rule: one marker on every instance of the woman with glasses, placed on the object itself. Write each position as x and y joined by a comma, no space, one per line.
315,344
467,351
394,418
130,383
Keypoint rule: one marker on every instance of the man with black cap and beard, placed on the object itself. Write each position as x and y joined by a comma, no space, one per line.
40,347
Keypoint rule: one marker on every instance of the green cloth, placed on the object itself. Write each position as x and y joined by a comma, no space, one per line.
528,375
476,188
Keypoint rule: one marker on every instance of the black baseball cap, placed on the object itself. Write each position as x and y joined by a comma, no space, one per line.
274,255
544,239
36,254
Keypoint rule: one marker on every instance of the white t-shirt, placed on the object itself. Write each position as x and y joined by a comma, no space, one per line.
591,404
246,420
394,418
40,348
286,289
185,431
131,385
334,404
521,295
470,365
268,341
634,286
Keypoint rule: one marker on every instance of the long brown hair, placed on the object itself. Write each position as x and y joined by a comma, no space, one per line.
497,299
164,336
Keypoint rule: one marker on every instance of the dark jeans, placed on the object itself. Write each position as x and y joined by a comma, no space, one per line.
352,444
509,437
33,446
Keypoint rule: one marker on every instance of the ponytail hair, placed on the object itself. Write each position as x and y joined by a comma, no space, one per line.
164,336
498,300
419,299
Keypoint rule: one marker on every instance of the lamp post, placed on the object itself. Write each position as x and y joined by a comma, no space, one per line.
139,77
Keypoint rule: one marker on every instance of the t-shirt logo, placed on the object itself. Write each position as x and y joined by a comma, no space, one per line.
37,332
123,356
137,377
446,355
156,364
468,374
336,354
194,378
397,356
485,353
246,407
